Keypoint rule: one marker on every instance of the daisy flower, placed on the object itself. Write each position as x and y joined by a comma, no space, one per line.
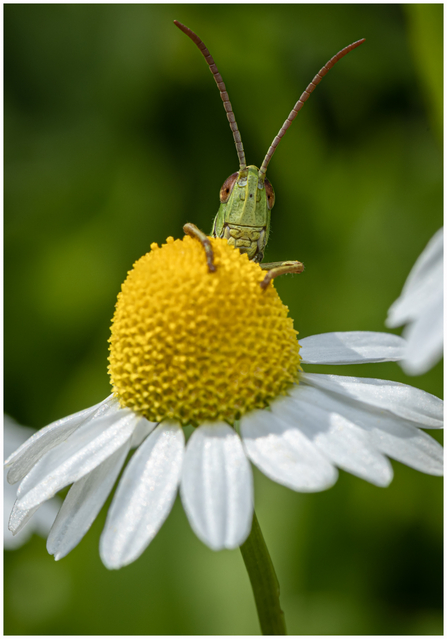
420,307
216,352
13,436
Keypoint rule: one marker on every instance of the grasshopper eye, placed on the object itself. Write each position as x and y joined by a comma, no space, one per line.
227,187
270,194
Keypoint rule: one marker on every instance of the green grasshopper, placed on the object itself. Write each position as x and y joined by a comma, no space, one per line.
247,196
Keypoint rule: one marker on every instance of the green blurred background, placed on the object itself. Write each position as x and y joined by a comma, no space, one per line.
115,136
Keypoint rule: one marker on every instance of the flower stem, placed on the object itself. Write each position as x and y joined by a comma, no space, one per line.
264,582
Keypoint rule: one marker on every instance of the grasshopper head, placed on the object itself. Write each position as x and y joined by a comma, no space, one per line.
246,199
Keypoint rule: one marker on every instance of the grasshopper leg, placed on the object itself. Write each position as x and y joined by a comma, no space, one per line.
193,231
279,268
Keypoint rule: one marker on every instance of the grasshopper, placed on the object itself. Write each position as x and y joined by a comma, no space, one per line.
247,196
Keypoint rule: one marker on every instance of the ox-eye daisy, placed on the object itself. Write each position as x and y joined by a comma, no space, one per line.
215,351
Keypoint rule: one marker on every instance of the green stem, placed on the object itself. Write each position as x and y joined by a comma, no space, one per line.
264,582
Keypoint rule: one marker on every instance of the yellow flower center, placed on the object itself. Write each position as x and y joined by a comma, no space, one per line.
194,346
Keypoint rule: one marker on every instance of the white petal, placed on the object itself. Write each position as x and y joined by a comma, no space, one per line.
411,403
90,445
19,518
337,438
144,496
217,486
24,458
400,440
83,502
413,301
425,339
142,430
353,347
430,257
284,453
45,514
393,436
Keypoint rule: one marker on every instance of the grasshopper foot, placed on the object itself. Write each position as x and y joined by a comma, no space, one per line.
193,231
279,268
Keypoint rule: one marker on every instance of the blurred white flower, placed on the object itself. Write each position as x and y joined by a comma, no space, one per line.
14,436
420,307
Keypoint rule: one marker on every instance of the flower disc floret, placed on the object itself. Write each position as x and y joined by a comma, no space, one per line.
191,345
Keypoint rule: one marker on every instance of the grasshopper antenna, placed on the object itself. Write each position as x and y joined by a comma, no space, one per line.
222,89
304,96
